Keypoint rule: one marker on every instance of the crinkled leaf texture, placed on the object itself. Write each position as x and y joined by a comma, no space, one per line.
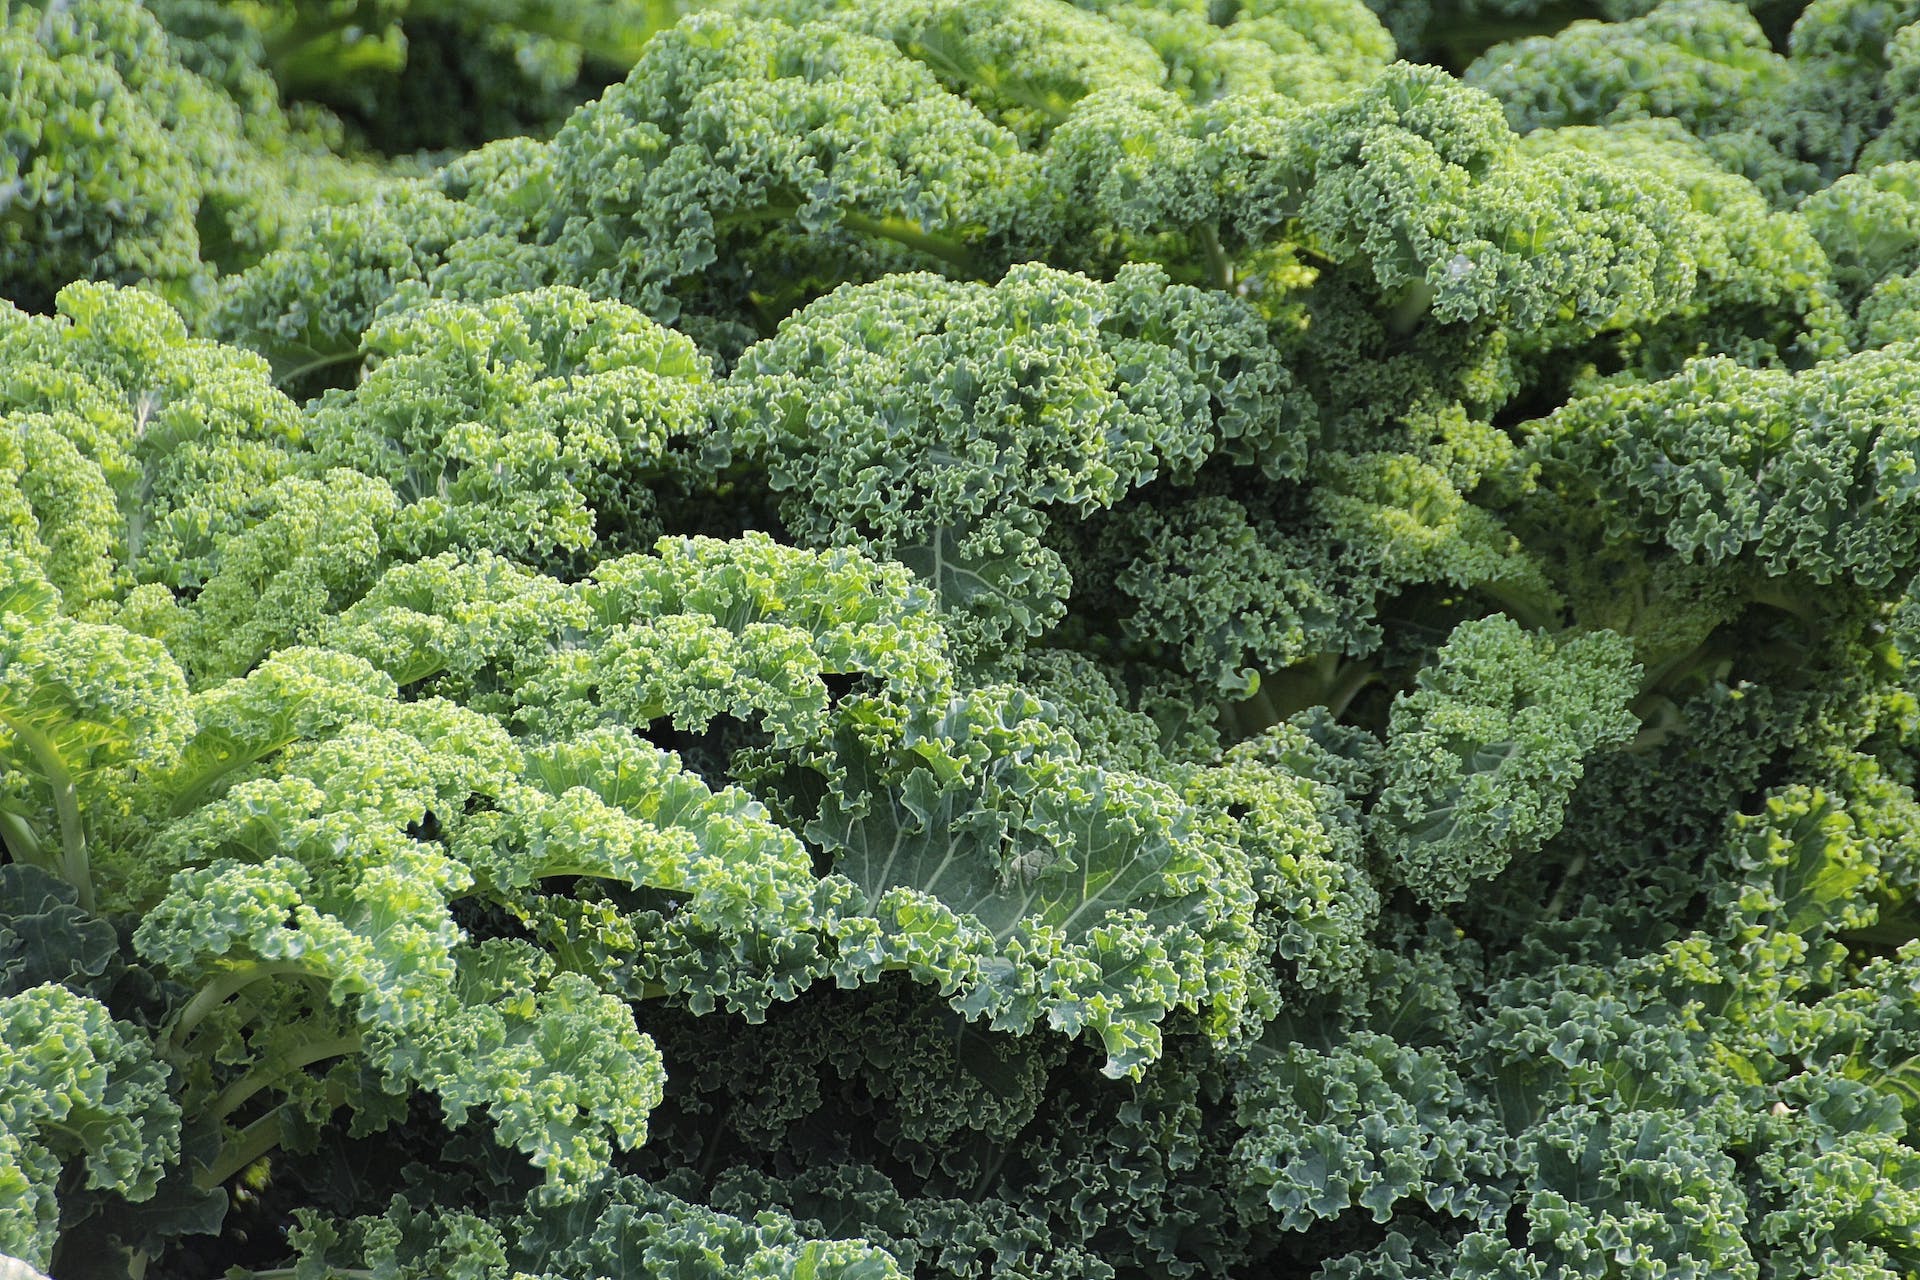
1030,886
75,1086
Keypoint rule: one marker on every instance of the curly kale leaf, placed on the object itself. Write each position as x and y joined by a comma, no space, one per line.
943,424
1484,752
75,1085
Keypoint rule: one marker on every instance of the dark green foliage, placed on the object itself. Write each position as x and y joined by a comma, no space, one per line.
1020,640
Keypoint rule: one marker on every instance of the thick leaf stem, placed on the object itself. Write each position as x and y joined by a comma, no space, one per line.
74,866
285,376
253,1142
21,840
1219,266
913,236
264,1076
217,993
1409,308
